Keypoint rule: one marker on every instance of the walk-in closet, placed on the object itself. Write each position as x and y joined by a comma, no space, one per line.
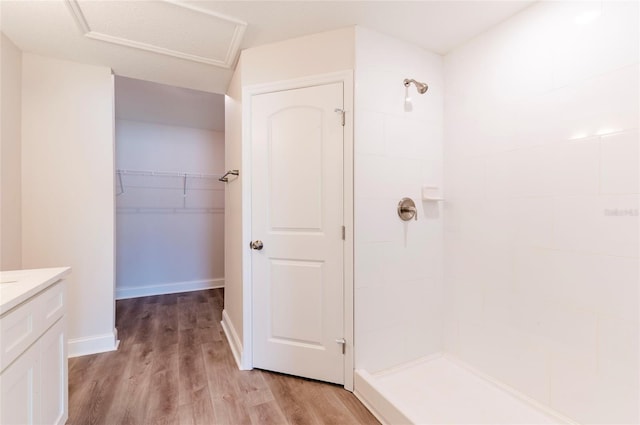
169,200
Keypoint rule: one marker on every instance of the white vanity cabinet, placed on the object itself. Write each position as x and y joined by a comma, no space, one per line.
33,348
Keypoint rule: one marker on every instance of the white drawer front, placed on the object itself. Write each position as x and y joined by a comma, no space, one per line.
19,328
23,325
52,303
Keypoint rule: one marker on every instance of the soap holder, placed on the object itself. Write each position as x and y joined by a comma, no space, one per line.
431,193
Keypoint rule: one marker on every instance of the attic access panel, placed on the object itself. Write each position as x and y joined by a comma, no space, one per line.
166,27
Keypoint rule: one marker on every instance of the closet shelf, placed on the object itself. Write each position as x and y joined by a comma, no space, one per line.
167,174
168,210
141,186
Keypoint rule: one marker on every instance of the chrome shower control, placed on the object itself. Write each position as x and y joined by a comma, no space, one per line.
407,209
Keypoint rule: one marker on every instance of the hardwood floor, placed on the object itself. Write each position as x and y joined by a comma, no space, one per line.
174,366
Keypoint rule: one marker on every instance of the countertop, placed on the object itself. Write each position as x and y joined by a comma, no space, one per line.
17,286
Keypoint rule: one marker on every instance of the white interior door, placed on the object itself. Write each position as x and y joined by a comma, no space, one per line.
297,214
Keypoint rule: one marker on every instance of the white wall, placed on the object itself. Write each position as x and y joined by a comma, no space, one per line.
314,54
295,58
233,214
398,265
68,191
166,242
541,171
10,192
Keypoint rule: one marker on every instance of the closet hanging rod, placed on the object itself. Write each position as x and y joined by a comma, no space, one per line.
167,174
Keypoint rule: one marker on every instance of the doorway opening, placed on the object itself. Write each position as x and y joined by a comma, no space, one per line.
169,203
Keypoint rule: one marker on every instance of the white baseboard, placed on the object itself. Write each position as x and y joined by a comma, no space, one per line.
93,345
232,337
383,409
167,288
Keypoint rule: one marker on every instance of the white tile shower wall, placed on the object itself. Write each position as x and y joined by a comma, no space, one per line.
398,265
541,218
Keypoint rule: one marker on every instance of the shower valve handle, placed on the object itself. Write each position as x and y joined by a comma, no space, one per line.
407,209
410,210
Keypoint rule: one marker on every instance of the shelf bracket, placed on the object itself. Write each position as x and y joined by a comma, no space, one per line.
229,173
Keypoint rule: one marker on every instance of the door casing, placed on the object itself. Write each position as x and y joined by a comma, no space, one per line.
346,77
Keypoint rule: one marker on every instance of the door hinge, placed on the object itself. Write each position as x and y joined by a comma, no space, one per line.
344,233
342,113
342,342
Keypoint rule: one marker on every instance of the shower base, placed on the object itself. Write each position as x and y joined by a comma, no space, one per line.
439,390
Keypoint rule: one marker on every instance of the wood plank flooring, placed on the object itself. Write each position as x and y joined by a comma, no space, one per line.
174,366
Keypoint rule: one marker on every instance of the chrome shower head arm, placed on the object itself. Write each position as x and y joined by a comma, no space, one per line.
421,87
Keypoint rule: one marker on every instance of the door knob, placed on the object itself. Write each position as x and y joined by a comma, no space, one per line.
257,245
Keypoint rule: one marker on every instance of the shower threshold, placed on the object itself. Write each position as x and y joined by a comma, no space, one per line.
440,390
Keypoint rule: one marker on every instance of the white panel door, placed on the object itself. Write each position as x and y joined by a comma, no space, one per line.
297,214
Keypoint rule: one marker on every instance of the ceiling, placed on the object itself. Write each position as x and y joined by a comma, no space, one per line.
194,44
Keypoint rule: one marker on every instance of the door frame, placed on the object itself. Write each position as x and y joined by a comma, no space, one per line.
346,78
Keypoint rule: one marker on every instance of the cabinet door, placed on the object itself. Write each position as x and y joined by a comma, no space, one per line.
53,375
19,390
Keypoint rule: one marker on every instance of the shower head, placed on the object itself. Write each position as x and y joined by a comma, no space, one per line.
421,87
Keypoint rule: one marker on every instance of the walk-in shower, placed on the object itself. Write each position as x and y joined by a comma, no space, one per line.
514,299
